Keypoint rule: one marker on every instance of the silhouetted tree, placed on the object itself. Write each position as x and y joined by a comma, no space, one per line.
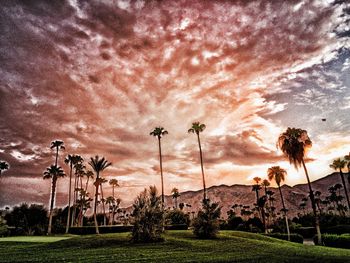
176,195
4,166
340,164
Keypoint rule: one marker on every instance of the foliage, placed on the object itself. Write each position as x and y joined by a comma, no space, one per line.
148,217
339,229
206,224
177,217
234,221
332,240
32,220
3,228
293,237
89,230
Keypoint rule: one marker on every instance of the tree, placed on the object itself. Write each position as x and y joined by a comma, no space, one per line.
98,165
53,172
347,159
257,187
265,183
101,182
58,145
340,164
159,132
4,166
278,174
176,195
197,128
79,171
114,183
294,143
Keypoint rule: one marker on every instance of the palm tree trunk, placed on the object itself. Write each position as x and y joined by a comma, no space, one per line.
69,196
345,188
103,206
75,196
201,158
285,212
56,156
313,204
161,171
53,191
95,204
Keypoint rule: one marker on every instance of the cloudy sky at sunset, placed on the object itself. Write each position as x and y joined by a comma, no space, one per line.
100,75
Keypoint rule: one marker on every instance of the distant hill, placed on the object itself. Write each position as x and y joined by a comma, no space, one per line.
243,194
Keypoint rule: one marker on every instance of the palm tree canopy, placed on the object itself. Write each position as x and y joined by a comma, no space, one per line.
276,173
99,164
114,182
4,165
159,132
257,180
89,174
293,143
338,164
197,127
175,192
57,144
53,171
265,183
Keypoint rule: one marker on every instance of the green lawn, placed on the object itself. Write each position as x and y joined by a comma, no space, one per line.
180,246
34,239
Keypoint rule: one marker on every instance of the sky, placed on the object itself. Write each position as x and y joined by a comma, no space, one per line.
100,75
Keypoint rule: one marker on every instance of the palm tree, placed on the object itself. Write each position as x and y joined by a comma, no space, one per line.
176,194
257,187
197,128
69,160
103,200
159,132
98,165
4,166
265,183
278,174
58,145
294,143
340,164
347,159
53,172
113,183
79,170
89,175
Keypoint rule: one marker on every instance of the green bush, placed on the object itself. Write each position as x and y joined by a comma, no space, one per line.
332,240
306,232
206,224
176,227
3,228
89,230
177,217
339,229
296,238
148,217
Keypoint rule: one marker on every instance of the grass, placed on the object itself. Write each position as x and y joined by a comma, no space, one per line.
34,239
180,246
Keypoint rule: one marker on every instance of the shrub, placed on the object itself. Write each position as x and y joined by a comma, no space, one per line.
296,238
177,217
332,240
176,227
306,232
148,217
89,230
339,229
206,224
3,228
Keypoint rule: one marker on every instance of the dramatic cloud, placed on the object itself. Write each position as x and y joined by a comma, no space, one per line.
100,75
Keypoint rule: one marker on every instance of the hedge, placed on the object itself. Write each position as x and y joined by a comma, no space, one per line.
89,230
306,232
332,240
339,229
296,238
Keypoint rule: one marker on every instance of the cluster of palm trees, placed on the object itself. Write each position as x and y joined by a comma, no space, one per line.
4,166
81,198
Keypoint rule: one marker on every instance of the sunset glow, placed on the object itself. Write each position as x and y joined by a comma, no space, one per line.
100,75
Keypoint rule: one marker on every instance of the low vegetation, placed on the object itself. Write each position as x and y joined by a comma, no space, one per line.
179,246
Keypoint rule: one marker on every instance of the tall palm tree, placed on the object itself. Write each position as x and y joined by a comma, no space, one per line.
159,132
69,160
53,172
79,170
294,143
103,200
278,174
58,144
114,183
347,159
265,183
257,187
98,165
176,195
340,164
89,175
197,128
4,166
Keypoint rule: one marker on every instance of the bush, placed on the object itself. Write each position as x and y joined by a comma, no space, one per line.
206,224
177,217
3,228
176,227
339,229
331,240
296,238
306,232
89,230
148,217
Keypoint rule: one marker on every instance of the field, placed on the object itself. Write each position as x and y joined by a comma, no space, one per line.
180,246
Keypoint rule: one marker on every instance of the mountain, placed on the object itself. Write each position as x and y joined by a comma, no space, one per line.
226,196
